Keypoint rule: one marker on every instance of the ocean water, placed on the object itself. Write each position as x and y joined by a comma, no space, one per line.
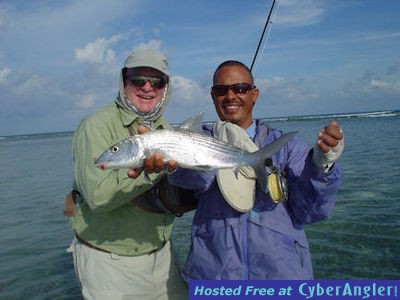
359,241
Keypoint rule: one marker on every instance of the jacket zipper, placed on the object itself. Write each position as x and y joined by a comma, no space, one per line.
298,248
245,244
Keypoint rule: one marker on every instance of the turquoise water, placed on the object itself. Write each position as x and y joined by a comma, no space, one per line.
359,241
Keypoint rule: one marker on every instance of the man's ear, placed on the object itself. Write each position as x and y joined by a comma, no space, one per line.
255,92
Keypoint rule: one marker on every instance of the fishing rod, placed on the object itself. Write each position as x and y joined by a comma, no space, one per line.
263,33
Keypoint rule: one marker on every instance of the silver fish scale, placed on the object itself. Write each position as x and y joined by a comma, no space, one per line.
193,150
190,150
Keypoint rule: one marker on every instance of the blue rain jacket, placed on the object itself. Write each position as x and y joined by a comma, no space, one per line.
268,242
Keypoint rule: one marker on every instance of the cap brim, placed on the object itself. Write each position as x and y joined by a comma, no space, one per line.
238,192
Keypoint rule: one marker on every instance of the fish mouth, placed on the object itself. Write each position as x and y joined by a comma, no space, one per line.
101,166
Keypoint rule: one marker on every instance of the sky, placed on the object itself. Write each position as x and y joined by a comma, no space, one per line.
60,60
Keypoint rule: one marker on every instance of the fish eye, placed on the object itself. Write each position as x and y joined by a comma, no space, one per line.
114,149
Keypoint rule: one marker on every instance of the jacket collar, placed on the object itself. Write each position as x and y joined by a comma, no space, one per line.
262,131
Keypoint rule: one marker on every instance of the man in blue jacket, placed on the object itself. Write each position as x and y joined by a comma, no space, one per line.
239,231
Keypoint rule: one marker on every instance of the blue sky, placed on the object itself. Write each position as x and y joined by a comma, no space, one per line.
60,60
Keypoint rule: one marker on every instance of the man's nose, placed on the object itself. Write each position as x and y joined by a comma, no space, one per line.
147,86
230,94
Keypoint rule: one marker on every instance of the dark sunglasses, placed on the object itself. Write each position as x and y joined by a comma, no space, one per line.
237,88
155,82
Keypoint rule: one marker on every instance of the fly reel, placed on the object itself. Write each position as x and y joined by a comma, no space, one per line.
277,186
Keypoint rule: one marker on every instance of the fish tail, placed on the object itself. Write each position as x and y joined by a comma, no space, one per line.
266,153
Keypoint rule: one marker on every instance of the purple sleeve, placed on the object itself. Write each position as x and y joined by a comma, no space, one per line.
312,192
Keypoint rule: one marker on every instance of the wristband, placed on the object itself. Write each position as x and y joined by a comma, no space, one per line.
324,161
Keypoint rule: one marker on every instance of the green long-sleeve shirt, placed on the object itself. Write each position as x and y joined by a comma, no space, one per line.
107,218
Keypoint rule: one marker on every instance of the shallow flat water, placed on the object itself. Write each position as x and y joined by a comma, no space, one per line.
359,241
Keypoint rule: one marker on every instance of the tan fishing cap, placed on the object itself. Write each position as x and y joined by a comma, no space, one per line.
147,58
238,191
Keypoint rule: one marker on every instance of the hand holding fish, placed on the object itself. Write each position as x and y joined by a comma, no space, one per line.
153,164
329,146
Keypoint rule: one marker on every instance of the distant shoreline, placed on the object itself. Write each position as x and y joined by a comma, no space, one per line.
371,114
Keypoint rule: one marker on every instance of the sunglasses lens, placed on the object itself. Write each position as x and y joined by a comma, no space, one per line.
220,90
241,88
155,82
139,82
237,88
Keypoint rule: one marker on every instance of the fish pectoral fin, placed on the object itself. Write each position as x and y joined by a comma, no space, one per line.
193,124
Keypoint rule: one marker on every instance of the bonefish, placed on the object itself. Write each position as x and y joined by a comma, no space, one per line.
191,149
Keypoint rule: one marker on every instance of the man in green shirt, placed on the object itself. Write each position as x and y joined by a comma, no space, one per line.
122,247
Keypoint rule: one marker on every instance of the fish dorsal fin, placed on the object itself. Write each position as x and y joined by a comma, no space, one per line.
193,124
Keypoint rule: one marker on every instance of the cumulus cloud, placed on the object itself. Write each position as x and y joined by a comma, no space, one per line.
187,92
98,52
101,58
87,101
31,86
4,74
152,44
78,73
278,88
188,98
372,85
300,13
383,86
30,95
378,84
